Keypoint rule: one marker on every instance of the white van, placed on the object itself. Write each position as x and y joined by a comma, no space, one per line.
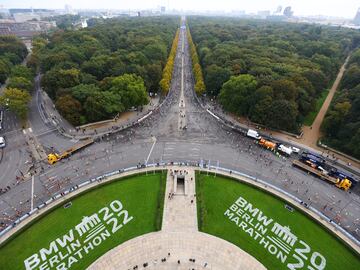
253,134
2,142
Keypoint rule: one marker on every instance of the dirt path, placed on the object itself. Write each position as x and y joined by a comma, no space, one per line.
311,134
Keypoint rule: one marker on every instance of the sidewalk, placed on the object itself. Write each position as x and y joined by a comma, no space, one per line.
179,240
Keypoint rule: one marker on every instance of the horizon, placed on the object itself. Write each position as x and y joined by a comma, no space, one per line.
345,8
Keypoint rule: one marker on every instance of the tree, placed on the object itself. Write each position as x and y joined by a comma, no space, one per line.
21,83
82,91
155,51
102,105
351,77
234,95
154,76
70,108
17,101
282,115
215,77
317,78
285,89
4,70
131,89
22,71
56,79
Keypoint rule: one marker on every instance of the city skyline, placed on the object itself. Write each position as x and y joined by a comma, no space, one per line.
345,8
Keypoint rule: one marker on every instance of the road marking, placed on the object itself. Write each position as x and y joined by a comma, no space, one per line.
32,193
152,148
46,132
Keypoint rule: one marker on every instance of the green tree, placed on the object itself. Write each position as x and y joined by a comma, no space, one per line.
4,70
234,95
21,83
215,77
102,105
56,79
82,91
17,101
351,77
131,89
260,103
285,89
282,115
70,108
22,71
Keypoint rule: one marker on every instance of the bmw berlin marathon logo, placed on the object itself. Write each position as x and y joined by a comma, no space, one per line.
78,242
276,239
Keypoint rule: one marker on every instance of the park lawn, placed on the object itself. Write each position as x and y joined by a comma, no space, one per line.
216,194
141,195
310,117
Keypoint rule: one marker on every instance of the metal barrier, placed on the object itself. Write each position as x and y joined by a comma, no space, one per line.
192,164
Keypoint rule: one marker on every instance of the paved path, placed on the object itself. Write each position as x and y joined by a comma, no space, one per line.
311,134
179,237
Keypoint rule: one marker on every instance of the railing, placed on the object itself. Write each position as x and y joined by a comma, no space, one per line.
215,169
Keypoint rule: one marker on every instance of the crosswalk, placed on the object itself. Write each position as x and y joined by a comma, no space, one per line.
177,151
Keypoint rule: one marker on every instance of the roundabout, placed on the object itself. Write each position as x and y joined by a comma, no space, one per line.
207,219
113,223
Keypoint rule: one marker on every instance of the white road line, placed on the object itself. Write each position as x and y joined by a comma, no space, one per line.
32,193
46,132
152,148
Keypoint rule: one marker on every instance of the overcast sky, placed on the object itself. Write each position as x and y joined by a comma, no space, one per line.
341,8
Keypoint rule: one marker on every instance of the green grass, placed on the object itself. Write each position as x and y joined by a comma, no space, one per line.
141,195
216,194
310,117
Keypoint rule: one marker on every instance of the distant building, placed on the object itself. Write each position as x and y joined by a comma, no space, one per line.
357,18
24,17
162,9
288,12
24,29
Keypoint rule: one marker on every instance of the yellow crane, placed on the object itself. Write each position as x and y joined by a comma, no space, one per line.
55,157
344,184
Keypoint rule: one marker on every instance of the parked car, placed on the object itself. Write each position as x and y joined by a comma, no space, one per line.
2,142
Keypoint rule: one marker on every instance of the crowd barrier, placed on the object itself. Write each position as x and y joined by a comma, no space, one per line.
163,164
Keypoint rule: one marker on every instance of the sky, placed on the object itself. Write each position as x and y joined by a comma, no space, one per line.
338,8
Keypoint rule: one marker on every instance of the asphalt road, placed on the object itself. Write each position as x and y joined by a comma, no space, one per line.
162,137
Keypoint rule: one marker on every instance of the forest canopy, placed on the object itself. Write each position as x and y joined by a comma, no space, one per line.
290,64
12,52
342,121
84,70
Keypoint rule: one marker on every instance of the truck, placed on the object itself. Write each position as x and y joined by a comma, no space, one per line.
253,134
334,172
344,184
313,157
287,151
55,157
267,144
